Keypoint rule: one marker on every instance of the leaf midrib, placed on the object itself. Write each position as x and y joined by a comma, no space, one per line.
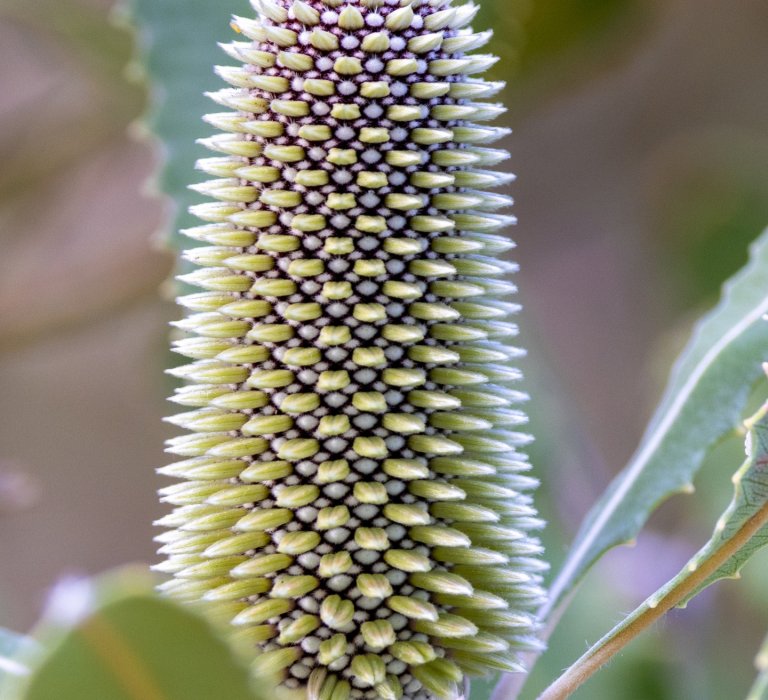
127,667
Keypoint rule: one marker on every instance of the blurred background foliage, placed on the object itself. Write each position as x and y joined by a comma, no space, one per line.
642,152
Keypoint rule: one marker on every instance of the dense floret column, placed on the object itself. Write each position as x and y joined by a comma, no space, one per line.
353,493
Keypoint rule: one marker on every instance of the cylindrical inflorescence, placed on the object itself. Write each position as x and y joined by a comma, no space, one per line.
354,495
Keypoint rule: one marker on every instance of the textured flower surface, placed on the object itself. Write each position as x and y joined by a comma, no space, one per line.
353,493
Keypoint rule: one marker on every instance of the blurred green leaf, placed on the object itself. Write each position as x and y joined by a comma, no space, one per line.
706,394
178,50
556,25
759,690
711,195
115,640
531,37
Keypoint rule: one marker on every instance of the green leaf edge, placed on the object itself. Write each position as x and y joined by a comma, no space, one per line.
701,362
750,495
176,73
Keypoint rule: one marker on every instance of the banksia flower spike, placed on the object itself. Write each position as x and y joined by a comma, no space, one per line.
353,493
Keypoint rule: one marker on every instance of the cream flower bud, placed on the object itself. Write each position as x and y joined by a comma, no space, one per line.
353,493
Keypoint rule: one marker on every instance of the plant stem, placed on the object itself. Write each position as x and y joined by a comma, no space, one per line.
646,614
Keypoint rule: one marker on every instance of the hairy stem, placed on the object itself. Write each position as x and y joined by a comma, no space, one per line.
645,615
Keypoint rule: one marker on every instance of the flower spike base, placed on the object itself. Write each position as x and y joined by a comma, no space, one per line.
354,495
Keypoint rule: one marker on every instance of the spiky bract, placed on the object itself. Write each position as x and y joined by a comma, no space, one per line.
354,495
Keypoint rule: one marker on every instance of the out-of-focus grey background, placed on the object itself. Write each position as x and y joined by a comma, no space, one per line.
641,144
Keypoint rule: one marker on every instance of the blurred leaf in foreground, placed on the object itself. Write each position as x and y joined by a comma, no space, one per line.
116,640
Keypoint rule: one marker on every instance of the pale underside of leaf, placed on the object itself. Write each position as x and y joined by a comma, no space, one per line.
706,394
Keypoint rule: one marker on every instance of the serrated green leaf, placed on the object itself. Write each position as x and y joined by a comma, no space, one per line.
116,640
749,500
704,399
177,50
740,532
